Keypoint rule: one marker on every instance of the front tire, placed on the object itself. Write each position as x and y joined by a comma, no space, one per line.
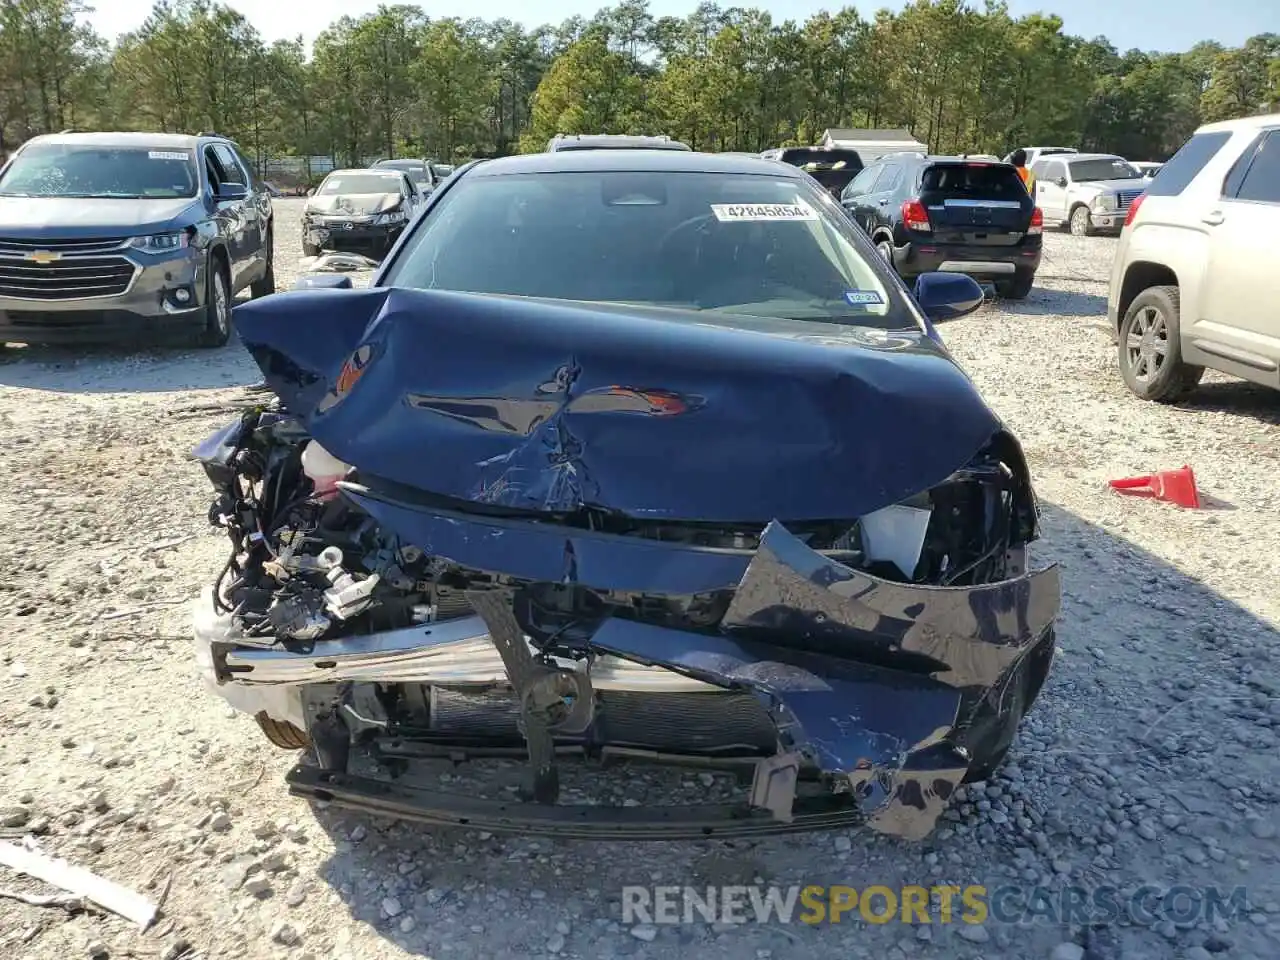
1150,347
1080,224
217,322
1018,288
310,249
267,284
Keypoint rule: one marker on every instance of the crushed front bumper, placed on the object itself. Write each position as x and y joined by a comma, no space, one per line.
886,694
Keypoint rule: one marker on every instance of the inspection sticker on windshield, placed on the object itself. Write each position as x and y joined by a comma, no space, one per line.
167,155
759,212
863,298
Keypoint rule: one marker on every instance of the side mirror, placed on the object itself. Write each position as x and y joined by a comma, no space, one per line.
322,281
947,296
311,192
1061,181
232,191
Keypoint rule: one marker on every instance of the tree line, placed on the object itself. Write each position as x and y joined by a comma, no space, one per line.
398,83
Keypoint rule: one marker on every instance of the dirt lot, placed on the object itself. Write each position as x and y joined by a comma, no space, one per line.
1151,758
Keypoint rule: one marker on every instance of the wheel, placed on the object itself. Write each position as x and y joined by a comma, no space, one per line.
1080,224
310,249
885,246
217,323
1018,288
281,733
1151,349
267,285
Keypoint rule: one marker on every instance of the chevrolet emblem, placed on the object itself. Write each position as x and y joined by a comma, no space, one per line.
44,256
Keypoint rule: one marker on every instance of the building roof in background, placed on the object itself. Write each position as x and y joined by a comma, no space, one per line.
875,136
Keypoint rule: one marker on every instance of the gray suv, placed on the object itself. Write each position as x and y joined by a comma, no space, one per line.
109,236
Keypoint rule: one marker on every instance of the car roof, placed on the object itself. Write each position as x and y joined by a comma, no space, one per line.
632,161
128,139
1096,156
366,171
614,141
1243,123
398,160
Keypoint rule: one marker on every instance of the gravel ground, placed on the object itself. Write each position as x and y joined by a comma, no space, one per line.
1151,757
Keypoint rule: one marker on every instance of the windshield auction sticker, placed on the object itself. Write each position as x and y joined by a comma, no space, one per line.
762,212
167,155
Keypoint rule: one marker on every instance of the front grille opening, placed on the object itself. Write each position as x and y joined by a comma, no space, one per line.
72,278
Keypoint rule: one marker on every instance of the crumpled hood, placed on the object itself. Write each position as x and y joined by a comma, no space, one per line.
551,406
67,218
353,204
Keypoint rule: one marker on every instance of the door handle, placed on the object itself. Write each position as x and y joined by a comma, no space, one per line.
884,201
1213,218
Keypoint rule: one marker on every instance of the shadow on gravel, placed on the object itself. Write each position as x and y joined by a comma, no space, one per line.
155,369
1241,398
1059,303
1154,741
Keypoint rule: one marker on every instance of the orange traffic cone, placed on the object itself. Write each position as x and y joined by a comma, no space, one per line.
1173,486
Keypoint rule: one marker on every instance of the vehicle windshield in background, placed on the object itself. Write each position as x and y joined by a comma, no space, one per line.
984,180
360,183
748,245
126,173
1103,169
442,170
834,169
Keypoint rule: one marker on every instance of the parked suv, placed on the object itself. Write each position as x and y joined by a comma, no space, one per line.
1194,283
107,235
951,214
833,167
1090,192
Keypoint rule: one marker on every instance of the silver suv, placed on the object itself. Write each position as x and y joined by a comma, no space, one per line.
1194,283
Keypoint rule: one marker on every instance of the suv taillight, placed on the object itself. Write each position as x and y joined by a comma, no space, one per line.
915,216
1133,208
1037,221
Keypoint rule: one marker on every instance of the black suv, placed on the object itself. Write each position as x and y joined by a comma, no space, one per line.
106,236
833,167
952,214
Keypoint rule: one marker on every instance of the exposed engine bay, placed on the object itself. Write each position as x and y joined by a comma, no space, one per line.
351,637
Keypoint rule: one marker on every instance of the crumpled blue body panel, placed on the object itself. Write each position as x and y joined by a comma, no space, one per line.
655,414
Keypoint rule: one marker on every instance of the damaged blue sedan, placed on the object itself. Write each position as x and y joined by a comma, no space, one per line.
627,456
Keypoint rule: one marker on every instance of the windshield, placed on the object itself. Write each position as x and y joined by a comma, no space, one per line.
358,183
974,180
1104,168
127,173
442,170
749,245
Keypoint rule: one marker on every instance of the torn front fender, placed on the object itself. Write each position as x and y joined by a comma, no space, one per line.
962,636
879,684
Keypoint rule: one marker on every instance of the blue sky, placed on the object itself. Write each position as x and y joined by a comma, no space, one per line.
1155,25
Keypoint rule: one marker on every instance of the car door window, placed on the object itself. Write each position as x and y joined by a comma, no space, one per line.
888,179
1261,182
1041,169
229,167
861,184
212,170
1055,170
251,177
